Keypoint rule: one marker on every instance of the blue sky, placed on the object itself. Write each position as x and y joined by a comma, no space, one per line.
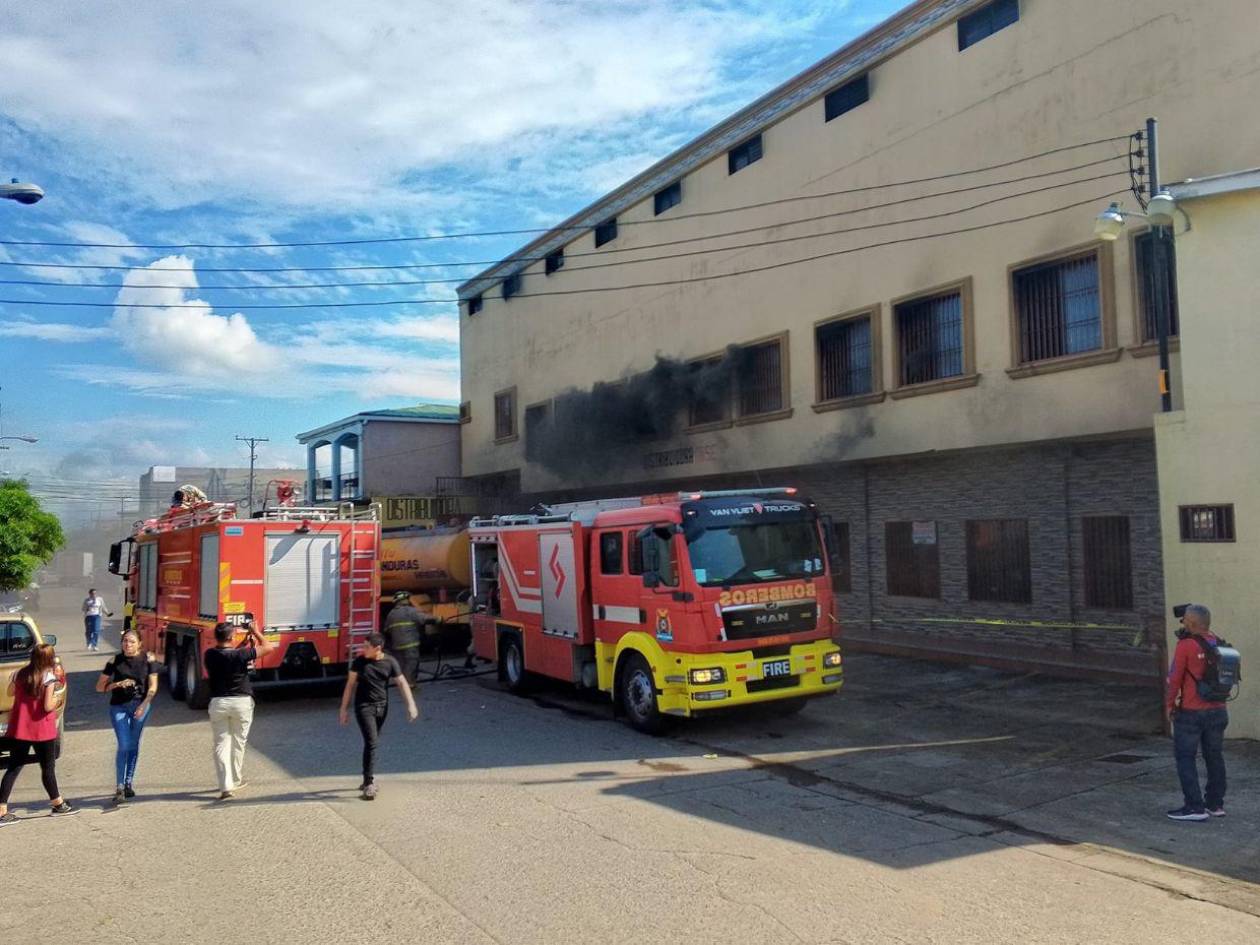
235,122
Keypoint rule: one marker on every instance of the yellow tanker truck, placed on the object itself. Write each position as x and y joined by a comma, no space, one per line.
433,565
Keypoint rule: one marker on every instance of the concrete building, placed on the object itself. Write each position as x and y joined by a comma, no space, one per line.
402,454
219,483
1209,451
878,283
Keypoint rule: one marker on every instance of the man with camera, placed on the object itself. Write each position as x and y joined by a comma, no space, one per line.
1197,723
232,698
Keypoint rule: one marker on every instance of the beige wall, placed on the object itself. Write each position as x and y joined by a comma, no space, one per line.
406,458
1209,453
1069,71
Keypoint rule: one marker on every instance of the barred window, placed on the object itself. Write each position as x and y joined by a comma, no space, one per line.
1207,522
759,379
1107,561
554,262
998,566
711,398
505,414
1059,308
844,358
930,338
1144,263
986,21
912,559
740,156
847,97
671,196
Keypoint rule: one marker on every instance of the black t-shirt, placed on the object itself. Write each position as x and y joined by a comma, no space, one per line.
374,679
138,668
228,670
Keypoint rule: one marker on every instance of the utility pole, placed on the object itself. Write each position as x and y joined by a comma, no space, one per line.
1160,265
253,442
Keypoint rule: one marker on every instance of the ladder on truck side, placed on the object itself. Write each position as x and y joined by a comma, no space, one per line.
365,577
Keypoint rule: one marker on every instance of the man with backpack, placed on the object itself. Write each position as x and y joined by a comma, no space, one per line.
1199,683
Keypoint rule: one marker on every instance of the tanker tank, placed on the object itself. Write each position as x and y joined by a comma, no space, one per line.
433,566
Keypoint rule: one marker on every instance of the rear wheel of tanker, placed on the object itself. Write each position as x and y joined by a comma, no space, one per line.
637,692
196,688
174,657
512,664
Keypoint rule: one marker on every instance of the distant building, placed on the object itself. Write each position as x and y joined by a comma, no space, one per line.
219,483
405,454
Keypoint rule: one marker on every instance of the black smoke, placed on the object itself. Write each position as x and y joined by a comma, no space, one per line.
598,431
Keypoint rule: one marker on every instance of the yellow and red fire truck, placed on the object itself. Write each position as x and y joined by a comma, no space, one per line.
309,577
672,604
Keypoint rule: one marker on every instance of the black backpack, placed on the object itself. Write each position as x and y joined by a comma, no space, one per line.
1222,671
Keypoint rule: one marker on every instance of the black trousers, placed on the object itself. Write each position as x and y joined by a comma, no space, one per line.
45,753
371,719
408,662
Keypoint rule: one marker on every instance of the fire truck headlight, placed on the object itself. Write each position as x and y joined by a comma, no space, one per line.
706,677
832,659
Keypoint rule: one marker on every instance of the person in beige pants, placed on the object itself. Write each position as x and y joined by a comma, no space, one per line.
232,699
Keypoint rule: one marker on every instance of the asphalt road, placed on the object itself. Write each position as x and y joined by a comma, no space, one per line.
515,820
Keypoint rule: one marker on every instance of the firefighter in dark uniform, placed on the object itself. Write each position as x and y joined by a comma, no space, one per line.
403,627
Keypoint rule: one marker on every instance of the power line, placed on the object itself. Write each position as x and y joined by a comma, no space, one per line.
383,283
759,244
534,230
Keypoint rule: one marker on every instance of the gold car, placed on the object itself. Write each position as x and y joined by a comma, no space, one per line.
18,636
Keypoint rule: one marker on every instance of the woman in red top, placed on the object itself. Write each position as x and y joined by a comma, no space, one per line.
33,728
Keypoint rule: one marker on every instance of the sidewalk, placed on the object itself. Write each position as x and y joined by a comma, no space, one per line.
1019,757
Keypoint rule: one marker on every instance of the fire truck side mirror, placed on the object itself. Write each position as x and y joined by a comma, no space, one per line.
115,557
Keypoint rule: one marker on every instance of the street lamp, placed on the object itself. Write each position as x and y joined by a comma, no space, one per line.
22,193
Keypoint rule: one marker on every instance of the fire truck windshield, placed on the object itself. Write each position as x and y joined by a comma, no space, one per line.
755,553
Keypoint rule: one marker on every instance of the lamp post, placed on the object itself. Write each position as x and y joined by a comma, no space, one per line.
22,193
1109,224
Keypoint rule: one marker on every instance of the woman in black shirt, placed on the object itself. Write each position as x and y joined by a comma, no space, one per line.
131,679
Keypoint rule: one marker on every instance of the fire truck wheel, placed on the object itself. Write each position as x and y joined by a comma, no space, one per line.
174,668
512,664
196,687
637,692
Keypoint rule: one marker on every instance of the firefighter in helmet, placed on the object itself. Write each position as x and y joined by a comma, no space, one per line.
403,626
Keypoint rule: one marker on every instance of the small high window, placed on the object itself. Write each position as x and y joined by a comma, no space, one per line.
930,338
606,232
511,285
474,305
671,196
505,414
1058,307
759,386
847,97
844,358
1207,522
740,156
984,22
554,262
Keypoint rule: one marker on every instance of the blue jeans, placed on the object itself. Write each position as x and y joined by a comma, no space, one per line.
92,630
127,729
1202,729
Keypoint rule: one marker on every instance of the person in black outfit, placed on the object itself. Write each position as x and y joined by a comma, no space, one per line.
232,699
131,679
367,686
402,634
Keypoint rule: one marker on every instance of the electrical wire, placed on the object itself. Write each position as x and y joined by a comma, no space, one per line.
562,292
640,248
535,230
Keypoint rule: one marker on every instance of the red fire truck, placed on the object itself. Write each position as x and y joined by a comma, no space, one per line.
309,576
672,604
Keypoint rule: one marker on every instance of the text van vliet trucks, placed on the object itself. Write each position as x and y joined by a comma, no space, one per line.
672,604
309,576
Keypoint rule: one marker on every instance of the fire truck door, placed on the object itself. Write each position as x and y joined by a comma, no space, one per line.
559,584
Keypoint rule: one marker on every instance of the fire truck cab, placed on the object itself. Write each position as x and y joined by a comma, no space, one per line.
672,604
310,578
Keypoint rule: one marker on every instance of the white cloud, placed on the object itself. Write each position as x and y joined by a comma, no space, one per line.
319,101
55,331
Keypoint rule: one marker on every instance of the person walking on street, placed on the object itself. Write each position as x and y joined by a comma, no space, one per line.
232,699
367,686
38,693
402,635
93,607
1198,725
131,679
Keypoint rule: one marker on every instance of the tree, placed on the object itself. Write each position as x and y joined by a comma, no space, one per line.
29,536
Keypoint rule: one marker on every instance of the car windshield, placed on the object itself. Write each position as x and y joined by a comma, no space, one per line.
752,554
